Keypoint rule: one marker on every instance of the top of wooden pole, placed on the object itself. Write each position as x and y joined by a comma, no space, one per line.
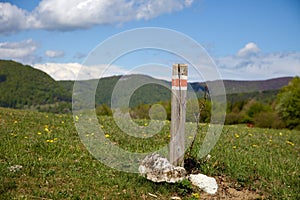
180,69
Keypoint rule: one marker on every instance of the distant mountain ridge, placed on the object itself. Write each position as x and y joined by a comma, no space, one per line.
238,86
23,86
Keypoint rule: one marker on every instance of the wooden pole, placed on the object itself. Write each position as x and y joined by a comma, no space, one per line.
178,114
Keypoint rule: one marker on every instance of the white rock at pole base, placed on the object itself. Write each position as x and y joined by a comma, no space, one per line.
158,169
205,183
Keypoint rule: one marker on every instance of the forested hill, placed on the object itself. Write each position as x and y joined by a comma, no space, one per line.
22,86
237,87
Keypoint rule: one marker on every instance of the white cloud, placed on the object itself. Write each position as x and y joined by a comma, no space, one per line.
77,14
12,18
23,51
70,71
17,49
262,66
248,50
54,54
251,64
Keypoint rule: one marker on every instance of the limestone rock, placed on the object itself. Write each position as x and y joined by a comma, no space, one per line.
205,183
158,169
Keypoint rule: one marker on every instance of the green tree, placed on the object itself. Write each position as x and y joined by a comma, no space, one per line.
288,104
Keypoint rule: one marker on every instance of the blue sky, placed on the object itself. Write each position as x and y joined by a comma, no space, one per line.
247,39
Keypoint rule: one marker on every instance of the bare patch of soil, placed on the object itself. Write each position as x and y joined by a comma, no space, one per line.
227,190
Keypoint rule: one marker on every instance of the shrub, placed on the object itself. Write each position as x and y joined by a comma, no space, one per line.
233,118
268,120
288,104
103,110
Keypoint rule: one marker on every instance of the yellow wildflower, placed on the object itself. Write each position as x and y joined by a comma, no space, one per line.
254,145
107,135
236,135
62,122
39,133
76,118
234,147
290,143
196,195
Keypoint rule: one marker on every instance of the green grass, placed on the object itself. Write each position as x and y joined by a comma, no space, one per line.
56,164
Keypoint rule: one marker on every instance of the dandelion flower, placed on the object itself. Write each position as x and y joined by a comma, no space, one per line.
76,118
107,135
196,195
254,145
236,135
234,147
290,143
280,134
62,122
39,133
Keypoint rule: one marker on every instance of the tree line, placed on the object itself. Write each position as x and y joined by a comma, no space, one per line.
283,111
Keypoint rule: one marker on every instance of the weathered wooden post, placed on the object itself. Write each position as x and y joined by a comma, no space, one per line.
178,113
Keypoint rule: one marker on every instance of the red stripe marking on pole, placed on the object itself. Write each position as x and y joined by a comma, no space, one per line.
179,82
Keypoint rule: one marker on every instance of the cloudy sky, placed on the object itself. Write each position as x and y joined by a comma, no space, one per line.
247,39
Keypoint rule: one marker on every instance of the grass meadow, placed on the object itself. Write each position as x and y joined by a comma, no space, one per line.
42,157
